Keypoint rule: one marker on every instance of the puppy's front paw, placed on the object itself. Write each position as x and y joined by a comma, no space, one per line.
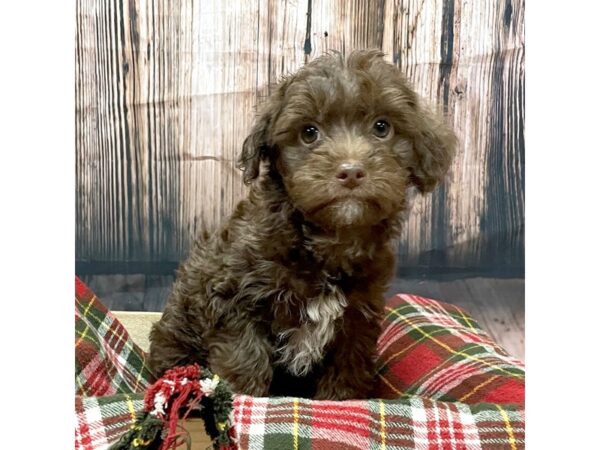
244,362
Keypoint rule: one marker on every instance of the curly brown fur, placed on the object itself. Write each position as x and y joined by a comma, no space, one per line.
287,298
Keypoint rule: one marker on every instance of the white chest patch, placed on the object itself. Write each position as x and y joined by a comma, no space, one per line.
304,346
348,211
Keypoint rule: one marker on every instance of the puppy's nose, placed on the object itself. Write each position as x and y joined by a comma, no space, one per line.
351,174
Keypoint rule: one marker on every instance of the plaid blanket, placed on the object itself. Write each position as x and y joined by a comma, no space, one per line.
442,384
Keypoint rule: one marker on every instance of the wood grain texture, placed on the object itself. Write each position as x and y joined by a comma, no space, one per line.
166,92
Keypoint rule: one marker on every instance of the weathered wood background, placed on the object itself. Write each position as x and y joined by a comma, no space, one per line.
166,91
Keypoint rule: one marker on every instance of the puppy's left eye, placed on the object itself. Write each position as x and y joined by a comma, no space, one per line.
381,128
309,134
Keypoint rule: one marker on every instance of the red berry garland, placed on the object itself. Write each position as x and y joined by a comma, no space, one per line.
180,387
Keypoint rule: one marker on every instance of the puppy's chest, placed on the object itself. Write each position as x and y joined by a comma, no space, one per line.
303,327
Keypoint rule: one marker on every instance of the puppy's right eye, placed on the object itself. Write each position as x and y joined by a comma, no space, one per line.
309,134
381,128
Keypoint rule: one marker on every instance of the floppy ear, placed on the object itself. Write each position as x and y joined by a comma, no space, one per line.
255,147
434,145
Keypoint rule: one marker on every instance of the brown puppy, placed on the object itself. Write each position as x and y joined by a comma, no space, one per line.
287,298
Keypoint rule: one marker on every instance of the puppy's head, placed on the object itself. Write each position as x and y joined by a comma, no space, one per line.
347,137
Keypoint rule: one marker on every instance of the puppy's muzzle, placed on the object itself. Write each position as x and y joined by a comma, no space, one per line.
351,174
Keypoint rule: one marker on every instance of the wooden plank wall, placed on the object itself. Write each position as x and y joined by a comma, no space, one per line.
166,92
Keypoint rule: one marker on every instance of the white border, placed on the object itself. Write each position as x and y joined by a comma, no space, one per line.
37,227
562,224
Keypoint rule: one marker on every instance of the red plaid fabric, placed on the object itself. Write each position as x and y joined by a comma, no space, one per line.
109,370
411,423
101,421
442,382
107,361
437,351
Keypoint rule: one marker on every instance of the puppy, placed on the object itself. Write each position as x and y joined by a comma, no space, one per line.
287,298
